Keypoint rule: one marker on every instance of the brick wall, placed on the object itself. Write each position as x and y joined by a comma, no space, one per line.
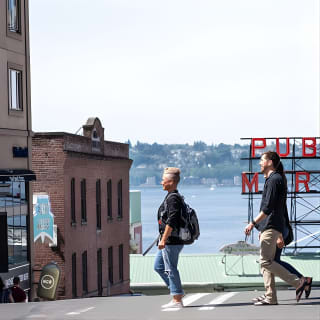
86,237
47,162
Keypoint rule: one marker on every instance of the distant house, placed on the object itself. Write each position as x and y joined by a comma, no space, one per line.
237,180
150,182
210,181
227,182
191,180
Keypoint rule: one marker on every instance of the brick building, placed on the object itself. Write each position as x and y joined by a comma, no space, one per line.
87,181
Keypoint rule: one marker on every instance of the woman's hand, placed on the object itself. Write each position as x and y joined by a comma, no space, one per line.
161,245
280,242
165,236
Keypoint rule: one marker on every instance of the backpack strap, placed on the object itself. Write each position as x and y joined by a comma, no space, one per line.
166,204
175,232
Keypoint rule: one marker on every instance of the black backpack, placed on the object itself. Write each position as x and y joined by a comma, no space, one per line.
189,230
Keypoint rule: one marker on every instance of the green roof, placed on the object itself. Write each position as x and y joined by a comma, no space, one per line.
217,270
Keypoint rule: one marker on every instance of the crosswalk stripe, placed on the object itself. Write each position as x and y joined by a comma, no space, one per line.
216,301
79,312
190,299
187,301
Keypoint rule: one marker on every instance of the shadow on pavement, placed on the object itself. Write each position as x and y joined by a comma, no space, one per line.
245,304
240,304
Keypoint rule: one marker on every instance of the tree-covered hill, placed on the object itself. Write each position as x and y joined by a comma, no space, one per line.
201,163
197,161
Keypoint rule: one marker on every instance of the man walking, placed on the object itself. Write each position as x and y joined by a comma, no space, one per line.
271,223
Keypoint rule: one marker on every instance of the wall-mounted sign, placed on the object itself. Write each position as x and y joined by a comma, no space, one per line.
19,152
43,218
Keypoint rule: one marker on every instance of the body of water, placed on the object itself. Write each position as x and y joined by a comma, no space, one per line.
222,215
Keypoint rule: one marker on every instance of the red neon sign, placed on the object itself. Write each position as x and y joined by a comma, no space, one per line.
305,181
301,178
255,146
287,147
309,146
246,182
312,146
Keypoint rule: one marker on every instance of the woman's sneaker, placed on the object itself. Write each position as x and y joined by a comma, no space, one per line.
259,298
265,302
307,288
173,304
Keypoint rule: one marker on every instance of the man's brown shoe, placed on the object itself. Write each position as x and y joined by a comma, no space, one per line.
300,289
307,288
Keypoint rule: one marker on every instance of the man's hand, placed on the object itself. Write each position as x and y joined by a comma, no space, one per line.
248,228
280,242
161,245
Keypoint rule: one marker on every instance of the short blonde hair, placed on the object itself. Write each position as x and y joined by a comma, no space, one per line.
173,172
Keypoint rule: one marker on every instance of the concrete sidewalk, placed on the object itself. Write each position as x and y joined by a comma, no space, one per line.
218,305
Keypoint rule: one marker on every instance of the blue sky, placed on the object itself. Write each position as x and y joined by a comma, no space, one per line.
176,71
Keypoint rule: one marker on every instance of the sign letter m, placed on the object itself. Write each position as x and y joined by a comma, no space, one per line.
249,184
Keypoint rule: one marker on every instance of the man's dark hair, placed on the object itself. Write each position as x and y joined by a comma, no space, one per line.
277,164
16,280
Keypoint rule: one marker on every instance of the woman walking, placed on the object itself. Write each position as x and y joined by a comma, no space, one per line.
170,245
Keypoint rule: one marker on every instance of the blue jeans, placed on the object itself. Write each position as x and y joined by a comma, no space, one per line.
286,265
166,263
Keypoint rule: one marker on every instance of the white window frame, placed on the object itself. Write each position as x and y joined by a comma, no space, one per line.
14,15
15,89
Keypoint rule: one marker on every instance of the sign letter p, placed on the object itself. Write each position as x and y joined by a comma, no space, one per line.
255,146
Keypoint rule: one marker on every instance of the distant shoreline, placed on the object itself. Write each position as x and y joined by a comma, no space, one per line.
187,185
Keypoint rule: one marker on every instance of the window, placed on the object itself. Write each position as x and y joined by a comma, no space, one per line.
83,201
109,198
98,203
96,144
4,261
121,262
110,264
120,199
99,271
84,272
15,89
74,275
14,21
73,201
14,208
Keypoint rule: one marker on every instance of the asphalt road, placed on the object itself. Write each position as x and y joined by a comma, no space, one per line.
222,305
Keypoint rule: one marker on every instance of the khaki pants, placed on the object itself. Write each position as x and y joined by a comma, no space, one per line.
270,268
